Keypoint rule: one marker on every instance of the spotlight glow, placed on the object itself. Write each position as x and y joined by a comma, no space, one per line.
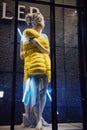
1,94
75,11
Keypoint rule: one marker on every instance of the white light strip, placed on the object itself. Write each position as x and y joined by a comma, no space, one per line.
50,98
1,94
20,32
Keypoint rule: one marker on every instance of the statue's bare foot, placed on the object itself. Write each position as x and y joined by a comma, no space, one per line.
39,126
44,123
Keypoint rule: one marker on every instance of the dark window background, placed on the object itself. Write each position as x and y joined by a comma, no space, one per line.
6,64
67,66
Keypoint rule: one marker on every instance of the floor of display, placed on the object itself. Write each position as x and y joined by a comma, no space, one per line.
64,126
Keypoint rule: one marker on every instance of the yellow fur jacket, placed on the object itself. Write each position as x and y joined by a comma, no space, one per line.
35,62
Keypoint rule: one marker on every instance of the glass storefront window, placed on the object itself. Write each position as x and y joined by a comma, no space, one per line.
6,62
68,74
66,2
69,106
21,119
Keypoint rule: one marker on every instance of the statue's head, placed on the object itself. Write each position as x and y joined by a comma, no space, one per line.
35,20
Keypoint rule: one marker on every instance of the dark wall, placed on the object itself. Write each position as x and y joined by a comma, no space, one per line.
83,56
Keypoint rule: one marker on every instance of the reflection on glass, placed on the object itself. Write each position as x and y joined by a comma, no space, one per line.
66,2
68,75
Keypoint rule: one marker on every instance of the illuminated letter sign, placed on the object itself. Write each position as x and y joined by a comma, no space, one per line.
32,9
4,12
21,13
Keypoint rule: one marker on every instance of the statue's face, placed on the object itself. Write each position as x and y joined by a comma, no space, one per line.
42,22
27,21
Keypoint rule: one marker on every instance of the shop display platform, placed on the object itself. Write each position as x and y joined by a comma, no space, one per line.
61,126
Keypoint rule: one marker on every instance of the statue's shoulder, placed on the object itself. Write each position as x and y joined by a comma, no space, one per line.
31,33
44,36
